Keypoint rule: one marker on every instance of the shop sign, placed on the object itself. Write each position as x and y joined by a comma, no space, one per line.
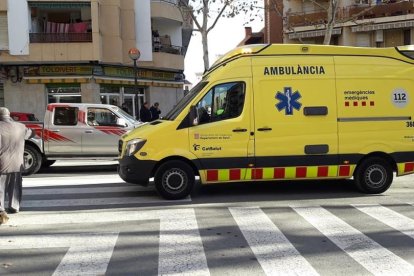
58,70
123,72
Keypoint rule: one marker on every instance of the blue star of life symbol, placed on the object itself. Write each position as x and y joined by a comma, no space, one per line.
288,100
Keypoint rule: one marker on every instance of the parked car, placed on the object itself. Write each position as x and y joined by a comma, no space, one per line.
23,117
76,131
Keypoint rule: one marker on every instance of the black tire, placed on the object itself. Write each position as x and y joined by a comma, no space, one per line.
48,163
32,160
373,176
174,180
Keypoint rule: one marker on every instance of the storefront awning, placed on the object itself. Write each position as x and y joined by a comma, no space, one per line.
318,33
141,82
59,5
68,79
383,26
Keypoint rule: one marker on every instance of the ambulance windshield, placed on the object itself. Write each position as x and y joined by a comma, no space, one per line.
185,101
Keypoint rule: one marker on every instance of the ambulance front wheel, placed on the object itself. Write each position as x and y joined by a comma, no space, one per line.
174,180
373,176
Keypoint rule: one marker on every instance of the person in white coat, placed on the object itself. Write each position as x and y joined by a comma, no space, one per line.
12,139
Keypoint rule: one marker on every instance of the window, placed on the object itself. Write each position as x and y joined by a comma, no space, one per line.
102,117
64,93
407,37
66,116
224,101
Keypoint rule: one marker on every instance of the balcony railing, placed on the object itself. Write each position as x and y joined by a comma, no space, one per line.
171,49
174,2
60,37
358,11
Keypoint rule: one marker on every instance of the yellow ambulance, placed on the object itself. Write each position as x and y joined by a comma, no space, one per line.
284,112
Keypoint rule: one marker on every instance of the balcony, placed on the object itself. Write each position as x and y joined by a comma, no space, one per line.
60,22
60,37
381,10
360,12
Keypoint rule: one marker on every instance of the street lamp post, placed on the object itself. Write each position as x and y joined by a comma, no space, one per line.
134,54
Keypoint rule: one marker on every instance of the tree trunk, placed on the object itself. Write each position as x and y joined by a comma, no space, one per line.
204,41
333,4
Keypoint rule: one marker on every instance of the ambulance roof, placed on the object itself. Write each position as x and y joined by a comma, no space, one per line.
404,53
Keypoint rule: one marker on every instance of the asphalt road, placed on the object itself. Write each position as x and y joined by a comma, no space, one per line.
84,220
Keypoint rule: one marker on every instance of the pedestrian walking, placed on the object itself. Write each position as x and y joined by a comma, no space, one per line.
145,113
12,137
155,111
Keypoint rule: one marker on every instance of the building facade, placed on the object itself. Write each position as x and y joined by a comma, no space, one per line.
77,51
364,23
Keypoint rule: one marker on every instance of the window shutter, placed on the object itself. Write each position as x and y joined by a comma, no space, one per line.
4,33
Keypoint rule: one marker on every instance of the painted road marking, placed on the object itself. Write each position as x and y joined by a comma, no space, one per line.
181,250
389,217
41,203
181,237
72,180
81,190
361,248
88,253
275,253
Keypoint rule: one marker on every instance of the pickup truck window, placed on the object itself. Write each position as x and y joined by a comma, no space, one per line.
65,116
102,117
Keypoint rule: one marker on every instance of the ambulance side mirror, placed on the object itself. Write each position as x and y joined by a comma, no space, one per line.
193,116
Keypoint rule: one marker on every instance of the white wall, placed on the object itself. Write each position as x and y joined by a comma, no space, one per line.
166,97
18,27
143,29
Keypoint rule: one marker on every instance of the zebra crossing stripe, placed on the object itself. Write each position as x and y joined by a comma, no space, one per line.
389,217
368,253
82,190
181,250
275,253
41,203
88,253
77,180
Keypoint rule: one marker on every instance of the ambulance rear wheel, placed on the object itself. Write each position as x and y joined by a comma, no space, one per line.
32,160
373,176
174,180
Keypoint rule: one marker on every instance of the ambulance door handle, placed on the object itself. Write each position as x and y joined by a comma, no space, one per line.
264,129
239,130
88,131
56,130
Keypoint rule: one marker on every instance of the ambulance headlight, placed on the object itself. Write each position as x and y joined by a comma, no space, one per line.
134,146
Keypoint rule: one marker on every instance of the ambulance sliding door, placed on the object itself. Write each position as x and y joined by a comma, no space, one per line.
295,113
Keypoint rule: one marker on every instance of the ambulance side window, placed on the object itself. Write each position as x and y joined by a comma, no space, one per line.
224,101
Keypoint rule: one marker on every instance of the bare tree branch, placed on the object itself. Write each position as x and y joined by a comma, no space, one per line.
218,17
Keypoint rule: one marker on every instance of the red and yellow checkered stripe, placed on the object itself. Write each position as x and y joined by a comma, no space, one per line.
405,168
301,172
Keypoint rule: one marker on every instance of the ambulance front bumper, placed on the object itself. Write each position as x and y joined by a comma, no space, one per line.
133,170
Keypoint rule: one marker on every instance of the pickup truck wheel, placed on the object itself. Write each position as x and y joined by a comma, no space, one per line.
174,180
48,163
32,160
373,176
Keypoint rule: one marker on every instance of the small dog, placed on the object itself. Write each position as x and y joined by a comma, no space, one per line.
4,218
